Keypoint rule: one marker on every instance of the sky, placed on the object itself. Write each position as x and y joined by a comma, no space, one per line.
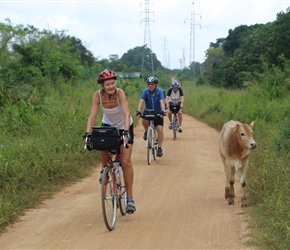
178,32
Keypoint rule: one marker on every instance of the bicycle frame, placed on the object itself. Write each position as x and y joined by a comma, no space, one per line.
151,142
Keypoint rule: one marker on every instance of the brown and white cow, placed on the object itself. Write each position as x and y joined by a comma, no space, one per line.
235,145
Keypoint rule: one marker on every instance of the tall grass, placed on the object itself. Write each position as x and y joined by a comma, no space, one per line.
41,147
268,178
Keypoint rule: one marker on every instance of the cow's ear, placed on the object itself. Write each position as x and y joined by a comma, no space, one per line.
252,124
236,128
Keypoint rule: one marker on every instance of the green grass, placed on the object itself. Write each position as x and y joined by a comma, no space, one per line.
41,149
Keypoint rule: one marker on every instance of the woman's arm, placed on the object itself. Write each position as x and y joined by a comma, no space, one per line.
94,111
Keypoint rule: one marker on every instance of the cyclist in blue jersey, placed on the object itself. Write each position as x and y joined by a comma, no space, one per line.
153,98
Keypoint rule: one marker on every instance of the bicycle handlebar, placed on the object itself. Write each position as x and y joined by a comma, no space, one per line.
142,114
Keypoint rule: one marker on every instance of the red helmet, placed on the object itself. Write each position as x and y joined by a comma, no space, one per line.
106,75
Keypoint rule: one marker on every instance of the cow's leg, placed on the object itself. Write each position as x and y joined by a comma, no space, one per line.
231,200
230,181
243,183
227,187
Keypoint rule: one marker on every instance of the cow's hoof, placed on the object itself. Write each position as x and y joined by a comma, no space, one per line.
231,202
244,205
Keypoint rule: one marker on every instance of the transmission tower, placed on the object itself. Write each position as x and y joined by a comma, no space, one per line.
192,37
147,58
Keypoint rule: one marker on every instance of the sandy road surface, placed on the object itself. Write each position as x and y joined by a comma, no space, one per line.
179,199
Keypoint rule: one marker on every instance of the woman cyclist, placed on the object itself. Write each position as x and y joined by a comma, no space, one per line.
116,113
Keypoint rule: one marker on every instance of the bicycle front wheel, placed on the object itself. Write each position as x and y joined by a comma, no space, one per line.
122,196
149,145
108,198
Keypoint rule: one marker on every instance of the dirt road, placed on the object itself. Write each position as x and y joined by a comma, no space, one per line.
179,199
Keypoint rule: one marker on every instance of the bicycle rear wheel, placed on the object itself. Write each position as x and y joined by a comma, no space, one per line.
108,198
122,196
149,145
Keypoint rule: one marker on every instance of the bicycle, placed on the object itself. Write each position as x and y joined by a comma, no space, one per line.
151,142
113,192
174,108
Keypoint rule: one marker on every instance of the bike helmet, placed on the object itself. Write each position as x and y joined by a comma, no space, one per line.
152,79
106,75
175,84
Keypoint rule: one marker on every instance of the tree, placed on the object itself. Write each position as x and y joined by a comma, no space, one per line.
133,58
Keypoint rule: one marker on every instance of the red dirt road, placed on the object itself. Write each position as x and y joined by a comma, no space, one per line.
179,199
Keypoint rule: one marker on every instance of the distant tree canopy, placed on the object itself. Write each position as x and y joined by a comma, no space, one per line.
140,56
246,51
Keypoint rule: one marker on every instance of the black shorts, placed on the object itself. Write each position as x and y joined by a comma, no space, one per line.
158,121
131,141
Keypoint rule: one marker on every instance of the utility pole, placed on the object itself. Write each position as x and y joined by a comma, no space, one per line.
147,58
192,37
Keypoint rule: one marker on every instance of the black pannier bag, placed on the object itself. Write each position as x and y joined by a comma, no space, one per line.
149,114
105,138
174,107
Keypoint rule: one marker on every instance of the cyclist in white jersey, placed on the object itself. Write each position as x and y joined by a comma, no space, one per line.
175,95
116,113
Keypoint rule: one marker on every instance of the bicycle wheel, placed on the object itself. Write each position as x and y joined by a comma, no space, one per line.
108,198
174,127
149,145
122,196
154,149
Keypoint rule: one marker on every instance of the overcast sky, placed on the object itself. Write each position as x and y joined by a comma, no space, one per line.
114,27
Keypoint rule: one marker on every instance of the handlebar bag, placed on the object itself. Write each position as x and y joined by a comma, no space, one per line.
174,107
105,138
149,114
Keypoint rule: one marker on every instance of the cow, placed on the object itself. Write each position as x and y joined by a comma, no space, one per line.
235,145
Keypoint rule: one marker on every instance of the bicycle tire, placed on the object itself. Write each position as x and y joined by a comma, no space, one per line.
154,150
149,145
122,196
174,127
108,198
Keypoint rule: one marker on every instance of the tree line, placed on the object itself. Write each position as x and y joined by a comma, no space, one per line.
31,58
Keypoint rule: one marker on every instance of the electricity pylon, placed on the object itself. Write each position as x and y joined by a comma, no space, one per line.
192,37
147,58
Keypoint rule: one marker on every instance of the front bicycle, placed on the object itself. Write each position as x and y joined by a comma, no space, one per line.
113,192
